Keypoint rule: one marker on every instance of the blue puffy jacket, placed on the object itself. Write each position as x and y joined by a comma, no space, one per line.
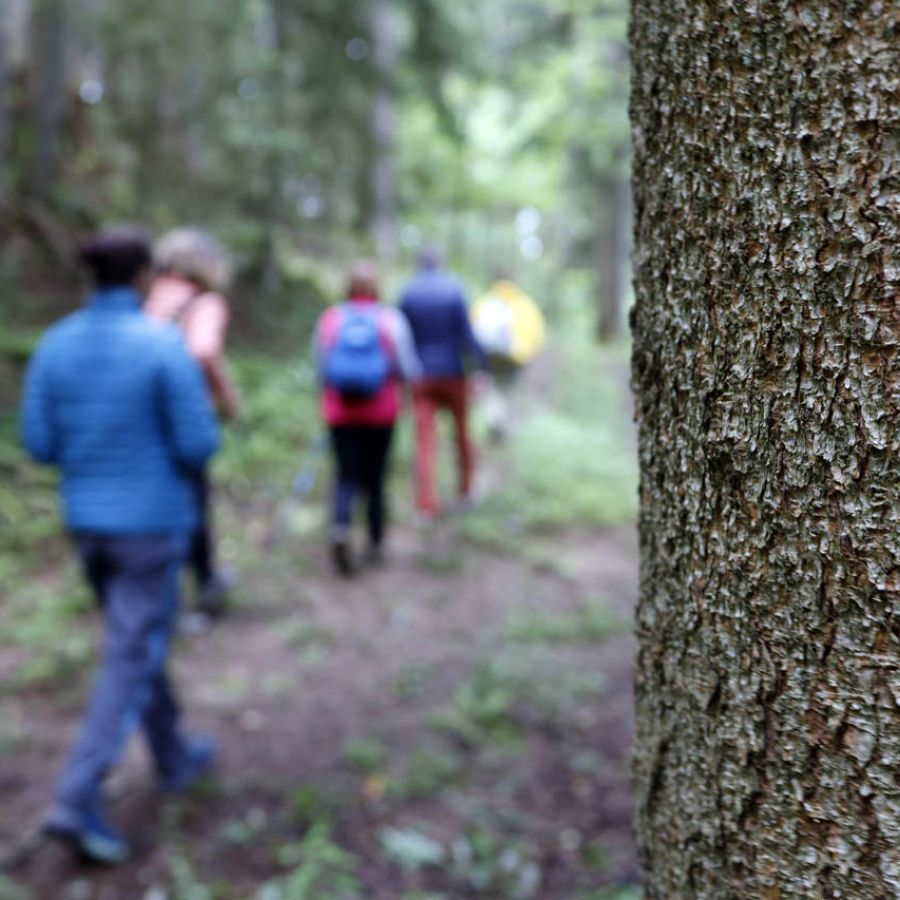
114,400
435,307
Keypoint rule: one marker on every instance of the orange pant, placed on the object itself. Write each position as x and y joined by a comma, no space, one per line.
429,396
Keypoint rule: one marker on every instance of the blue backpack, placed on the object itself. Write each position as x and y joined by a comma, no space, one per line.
357,364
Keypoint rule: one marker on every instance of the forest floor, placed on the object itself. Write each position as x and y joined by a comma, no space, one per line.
454,725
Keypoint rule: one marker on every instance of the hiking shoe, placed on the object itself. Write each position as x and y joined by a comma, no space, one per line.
342,556
212,597
89,834
374,557
465,503
195,763
425,520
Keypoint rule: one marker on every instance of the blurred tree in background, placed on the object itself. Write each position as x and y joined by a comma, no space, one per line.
303,133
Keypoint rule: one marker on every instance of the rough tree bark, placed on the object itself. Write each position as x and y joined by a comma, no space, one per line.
767,372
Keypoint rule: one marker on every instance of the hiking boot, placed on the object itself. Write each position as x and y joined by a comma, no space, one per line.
88,833
196,762
374,557
425,520
342,556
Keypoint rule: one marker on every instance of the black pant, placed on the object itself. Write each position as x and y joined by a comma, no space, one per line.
200,549
361,454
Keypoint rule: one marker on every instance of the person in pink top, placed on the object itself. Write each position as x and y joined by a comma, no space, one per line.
363,352
194,272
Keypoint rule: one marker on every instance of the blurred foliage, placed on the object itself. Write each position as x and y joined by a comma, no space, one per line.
570,463
253,118
571,459
279,420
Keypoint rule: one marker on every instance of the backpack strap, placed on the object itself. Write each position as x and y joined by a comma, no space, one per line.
385,334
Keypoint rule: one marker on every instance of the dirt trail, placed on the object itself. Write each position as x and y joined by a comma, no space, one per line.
477,700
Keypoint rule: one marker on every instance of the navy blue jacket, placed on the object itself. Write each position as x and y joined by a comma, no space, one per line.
436,309
113,398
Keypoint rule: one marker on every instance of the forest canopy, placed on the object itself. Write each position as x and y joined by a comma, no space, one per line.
302,132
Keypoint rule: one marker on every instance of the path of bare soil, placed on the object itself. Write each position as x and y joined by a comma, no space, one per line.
455,725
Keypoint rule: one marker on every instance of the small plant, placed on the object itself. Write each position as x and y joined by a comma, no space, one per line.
427,773
491,867
246,830
368,756
627,892
593,622
308,806
303,634
412,849
412,680
482,709
519,686
186,884
321,869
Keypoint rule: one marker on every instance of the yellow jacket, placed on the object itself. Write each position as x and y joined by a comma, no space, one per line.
508,323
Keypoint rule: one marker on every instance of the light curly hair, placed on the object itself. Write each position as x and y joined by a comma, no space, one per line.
195,255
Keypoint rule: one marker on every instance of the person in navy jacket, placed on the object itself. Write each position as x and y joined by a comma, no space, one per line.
434,303
113,400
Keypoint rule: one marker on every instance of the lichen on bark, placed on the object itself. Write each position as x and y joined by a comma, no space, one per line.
766,368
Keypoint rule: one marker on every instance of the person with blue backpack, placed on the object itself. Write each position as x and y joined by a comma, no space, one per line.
116,403
363,351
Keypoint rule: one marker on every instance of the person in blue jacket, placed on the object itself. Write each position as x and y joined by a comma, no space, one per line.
434,303
113,399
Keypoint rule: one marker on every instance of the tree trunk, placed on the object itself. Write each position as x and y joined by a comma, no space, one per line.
611,256
766,366
384,129
15,25
274,39
50,28
5,107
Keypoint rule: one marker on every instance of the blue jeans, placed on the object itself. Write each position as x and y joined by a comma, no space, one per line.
135,578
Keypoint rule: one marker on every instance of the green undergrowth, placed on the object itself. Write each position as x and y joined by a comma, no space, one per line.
278,425
43,598
29,522
569,461
43,620
432,799
593,621
11,891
